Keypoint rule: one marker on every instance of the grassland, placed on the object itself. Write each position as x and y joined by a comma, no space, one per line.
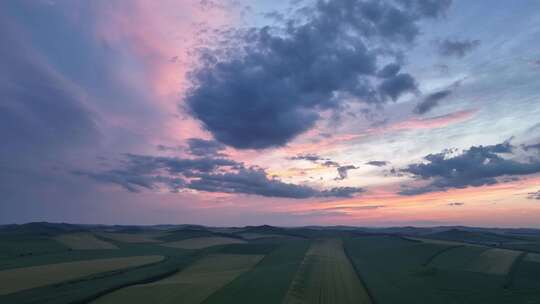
131,237
326,276
203,242
494,261
267,265
18,279
190,286
394,270
268,281
84,241
533,257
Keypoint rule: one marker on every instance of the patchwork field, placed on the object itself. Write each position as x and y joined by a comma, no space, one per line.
18,279
62,263
131,237
84,241
203,242
326,276
494,261
190,286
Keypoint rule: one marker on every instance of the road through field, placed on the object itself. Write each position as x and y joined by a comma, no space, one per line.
326,276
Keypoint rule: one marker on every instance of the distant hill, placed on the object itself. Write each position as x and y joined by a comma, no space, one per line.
483,237
41,228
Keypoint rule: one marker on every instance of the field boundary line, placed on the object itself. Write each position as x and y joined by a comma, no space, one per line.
146,280
509,280
438,253
368,290
231,281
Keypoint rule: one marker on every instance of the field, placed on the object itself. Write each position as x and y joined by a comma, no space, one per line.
131,237
494,261
83,241
63,263
203,242
14,280
190,286
326,276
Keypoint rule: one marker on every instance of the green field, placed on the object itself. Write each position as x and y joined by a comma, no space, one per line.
18,279
190,286
203,242
84,241
62,263
326,276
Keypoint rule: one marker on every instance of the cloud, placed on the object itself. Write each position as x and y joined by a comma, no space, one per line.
377,163
477,166
431,101
309,157
343,171
203,147
255,181
455,204
534,195
168,148
533,146
317,159
269,84
456,48
205,174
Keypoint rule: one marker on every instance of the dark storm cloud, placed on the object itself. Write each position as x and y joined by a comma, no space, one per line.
456,48
431,101
203,147
477,166
343,171
270,84
377,163
205,174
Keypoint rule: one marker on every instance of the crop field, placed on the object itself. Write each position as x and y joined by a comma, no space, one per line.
190,286
84,241
268,281
533,257
18,279
494,261
326,276
457,258
63,263
203,242
131,237
253,236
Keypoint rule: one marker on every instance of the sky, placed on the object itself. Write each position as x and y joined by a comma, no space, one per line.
289,113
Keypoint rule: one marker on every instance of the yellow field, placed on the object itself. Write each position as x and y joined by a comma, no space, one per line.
83,241
203,242
190,286
533,257
494,261
131,237
326,276
18,279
